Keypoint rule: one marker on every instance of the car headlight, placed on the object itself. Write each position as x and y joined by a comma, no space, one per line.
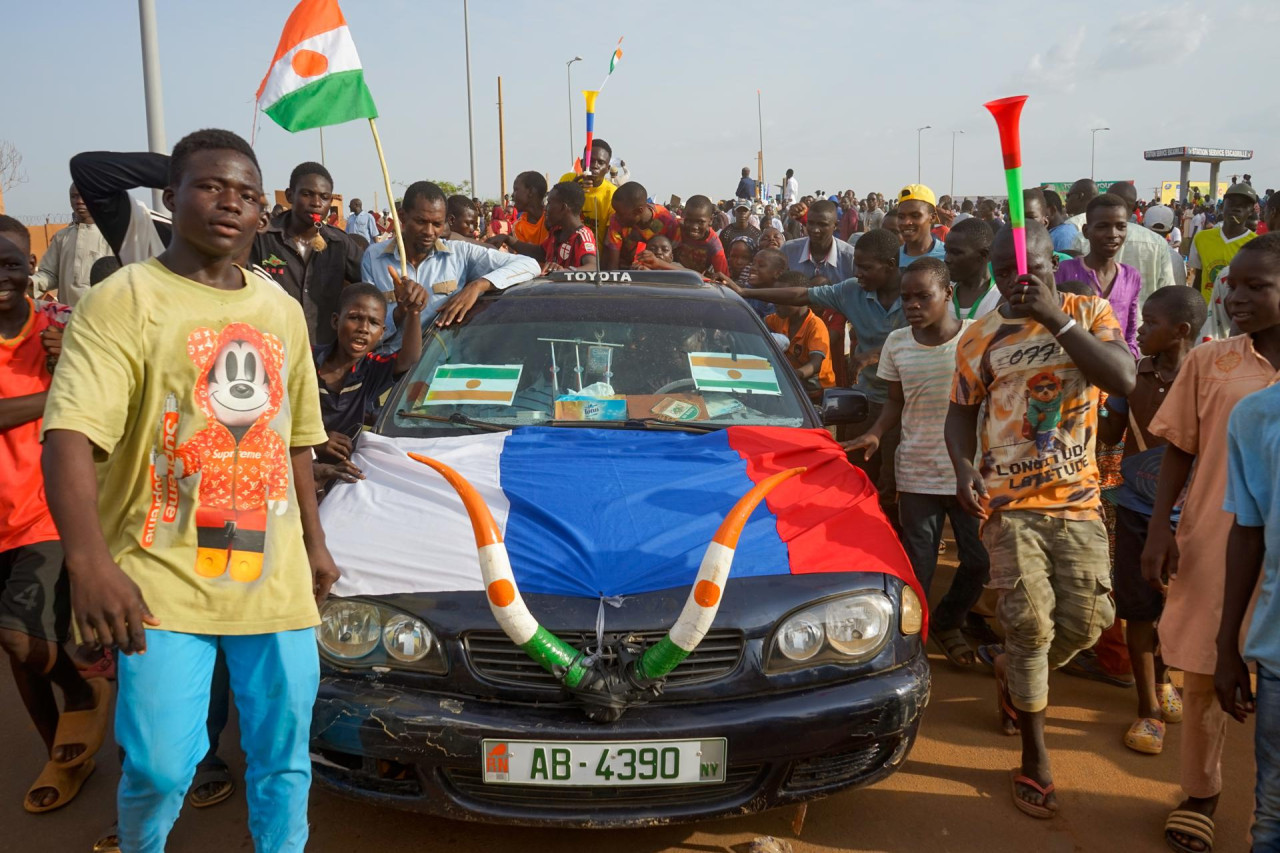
350,629
847,629
364,634
407,639
912,611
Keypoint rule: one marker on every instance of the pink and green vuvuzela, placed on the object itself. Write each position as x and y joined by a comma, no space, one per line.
1007,112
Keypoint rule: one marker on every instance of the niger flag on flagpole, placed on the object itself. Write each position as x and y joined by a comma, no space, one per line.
315,77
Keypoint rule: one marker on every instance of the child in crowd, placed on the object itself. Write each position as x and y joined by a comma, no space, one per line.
162,344
35,604
917,363
658,254
1037,362
529,230
635,220
463,219
765,270
968,258
1106,224
740,253
570,245
1171,319
353,376
809,348
1192,566
771,237
697,246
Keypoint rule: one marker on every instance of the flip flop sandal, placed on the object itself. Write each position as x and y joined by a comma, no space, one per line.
84,728
952,643
103,667
1036,811
988,652
214,776
1004,705
1170,703
66,781
109,842
1189,823
1146,735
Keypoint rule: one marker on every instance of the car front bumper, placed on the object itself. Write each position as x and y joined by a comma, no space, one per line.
422,751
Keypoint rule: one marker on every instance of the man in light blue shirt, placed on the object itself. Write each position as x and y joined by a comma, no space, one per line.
1253,550
453,273
361,222
821,253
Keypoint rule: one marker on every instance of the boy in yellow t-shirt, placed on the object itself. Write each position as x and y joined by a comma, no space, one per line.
189,382
1037,362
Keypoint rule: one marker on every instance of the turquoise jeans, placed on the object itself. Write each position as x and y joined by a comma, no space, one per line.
160,724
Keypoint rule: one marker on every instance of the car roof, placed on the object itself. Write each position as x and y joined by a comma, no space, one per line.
681,283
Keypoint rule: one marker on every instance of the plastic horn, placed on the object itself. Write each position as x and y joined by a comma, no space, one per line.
704,599
513,616
590,95
1007,112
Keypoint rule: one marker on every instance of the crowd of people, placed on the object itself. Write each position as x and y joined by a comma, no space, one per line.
1096,432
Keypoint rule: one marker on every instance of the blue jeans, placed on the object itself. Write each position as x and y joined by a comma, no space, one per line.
922,517
1266,740
161,720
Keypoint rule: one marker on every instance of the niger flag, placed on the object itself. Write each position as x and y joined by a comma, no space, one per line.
315,77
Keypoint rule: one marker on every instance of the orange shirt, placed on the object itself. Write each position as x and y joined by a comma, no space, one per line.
810,338
531,232
24,514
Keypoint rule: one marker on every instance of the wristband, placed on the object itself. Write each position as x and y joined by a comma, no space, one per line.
1068,326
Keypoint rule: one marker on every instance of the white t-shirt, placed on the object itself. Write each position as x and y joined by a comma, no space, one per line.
923,466
986,304
791,191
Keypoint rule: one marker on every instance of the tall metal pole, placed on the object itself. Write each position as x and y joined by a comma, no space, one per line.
952,191
322,146
151,85
1093,147
762,187
502,148
919,131
568,78
471,124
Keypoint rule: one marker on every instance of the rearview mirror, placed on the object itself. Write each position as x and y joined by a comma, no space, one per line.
843,406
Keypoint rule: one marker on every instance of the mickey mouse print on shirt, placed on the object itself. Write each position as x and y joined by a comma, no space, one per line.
242,462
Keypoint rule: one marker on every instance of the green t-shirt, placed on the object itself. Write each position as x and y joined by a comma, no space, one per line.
193,397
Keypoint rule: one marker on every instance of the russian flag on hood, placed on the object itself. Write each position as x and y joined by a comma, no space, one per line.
603,512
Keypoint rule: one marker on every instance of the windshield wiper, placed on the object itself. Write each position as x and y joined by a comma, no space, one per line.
457,419
637,423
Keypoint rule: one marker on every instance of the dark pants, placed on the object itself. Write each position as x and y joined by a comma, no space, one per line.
922,517
219,710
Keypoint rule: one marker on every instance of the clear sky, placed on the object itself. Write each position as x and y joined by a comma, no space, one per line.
845,85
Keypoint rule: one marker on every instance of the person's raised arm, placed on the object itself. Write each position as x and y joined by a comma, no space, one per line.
1106,364
488,269
104,179
776,295
961,436
108,606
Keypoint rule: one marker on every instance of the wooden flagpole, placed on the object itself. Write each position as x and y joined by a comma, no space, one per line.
395,216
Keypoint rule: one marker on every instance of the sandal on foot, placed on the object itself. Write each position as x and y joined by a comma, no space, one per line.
67,782
1192,824
1004,705
219,783
1146,735
988,652
1041,812
109,841
952,643
84,728
1170,703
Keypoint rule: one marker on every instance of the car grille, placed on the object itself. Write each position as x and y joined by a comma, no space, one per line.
494,657
826,770
739,780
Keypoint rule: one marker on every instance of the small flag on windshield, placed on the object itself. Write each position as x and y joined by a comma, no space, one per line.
474,384
721,371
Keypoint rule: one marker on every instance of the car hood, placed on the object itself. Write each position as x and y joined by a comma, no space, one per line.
594,513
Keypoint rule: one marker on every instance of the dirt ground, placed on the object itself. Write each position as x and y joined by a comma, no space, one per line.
952,796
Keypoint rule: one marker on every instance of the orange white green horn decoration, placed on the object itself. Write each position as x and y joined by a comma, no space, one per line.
513,616
704,599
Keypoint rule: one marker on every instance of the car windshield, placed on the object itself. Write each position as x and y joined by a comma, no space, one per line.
569,360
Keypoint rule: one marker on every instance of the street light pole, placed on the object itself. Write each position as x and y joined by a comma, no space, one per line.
1093,147
471,124
151,85
920,130
568,77
953,161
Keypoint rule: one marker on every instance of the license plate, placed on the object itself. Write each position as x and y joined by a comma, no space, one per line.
606,764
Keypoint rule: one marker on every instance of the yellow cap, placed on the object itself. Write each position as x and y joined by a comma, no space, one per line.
917,192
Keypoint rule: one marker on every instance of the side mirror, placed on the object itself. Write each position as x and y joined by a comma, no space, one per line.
843,406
